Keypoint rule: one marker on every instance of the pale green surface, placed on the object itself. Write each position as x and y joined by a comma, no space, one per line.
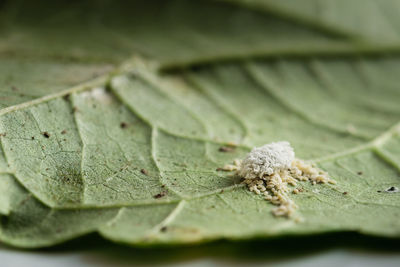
374,20
175,32
86,174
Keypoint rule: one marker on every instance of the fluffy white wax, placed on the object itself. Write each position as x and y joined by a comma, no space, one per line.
266,160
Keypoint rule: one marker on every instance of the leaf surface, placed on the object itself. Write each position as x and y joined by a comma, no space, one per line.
107,142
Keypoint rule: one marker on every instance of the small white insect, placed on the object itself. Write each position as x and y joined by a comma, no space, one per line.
272,169
267,160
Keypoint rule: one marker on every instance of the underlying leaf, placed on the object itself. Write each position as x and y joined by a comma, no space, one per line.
375,21
174,32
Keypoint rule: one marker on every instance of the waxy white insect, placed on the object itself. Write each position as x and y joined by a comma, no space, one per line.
270,169
266,160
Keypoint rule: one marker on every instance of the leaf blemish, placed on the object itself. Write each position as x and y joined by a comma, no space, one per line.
226,149
392,189
160,195
46,134
123,125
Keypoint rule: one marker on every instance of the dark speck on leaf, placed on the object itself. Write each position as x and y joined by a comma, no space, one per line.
63,131
46,134
379,191
144,171
392,189
3,134
219,169
164,229
360,173
226,149
163,186
33,138
345,193
66,97
160,195
123,125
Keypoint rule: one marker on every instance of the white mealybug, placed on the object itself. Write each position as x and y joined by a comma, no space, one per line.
266,160
269,170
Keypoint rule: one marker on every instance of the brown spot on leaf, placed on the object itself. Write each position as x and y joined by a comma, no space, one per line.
123,125
46,134
63,131
226,149
144,171
160,195
345,193
360,173
164,229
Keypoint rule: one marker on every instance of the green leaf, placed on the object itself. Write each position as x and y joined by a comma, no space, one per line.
173,32
182,198
375,21
94,142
